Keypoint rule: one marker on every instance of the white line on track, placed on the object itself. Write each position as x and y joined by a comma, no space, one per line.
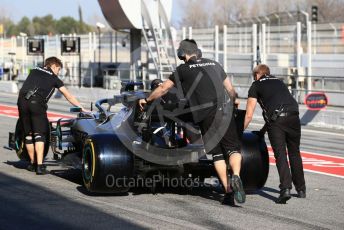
320,154
10,116
317,172
309,131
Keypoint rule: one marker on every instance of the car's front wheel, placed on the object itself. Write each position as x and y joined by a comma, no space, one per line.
19,138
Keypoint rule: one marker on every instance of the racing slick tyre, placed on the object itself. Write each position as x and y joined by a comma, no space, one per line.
106,164
255,162
255,157
20,145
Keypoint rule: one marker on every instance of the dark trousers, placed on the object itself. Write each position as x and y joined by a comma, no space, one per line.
285,133
33,115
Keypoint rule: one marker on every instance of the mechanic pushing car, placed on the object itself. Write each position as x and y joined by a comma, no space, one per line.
32,105
281,114
203,82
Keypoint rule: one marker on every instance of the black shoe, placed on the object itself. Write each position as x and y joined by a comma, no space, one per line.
284,196
228,199
239,193
301,194
41,170
32,167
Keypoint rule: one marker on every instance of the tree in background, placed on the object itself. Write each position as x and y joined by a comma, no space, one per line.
25,26
224,11
67,25
205,13
6,22
196,15
44,25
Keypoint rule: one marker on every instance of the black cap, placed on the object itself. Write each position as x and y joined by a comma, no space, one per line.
189,46
155,83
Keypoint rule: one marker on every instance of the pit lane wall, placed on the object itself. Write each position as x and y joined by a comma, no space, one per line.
8,87
331,117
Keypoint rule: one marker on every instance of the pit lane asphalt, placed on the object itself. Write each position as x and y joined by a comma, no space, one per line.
59,201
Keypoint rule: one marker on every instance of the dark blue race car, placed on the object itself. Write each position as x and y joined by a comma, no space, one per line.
112,146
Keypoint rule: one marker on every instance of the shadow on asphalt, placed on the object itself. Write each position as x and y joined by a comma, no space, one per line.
263,192
83,190
21,164
214,193
74,176
17,164
28,206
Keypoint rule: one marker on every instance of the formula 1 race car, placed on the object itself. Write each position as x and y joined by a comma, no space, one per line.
129,143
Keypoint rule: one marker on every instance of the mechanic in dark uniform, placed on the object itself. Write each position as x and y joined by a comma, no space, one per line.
204,83
170,99
281,114
32,105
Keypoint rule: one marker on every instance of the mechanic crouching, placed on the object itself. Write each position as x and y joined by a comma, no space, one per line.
281,114
32,105
204,81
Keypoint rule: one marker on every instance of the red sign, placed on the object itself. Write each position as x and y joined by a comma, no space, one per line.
316,101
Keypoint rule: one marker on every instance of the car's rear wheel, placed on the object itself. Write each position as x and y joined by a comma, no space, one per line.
107,166
20,145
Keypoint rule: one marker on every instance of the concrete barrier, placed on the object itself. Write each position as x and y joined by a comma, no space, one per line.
330,117
92,94
8,87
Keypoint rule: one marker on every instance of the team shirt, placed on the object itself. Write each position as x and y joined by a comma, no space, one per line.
271,93
44,79
202,84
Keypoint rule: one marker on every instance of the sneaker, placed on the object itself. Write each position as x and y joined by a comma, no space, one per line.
239,193
228,199
41,170
32,167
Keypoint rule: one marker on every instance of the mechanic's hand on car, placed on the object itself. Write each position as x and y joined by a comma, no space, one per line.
142,103
83,109
86,110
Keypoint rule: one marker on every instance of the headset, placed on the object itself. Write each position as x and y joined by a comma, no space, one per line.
182,55
155,83
181,52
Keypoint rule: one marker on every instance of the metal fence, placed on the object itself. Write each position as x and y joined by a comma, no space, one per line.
313,54
327,38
